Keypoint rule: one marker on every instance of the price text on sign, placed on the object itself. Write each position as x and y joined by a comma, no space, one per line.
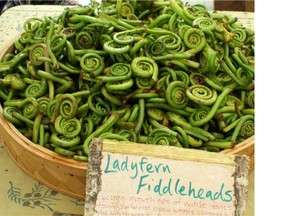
148,185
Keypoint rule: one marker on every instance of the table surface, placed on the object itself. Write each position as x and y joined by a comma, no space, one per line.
19,193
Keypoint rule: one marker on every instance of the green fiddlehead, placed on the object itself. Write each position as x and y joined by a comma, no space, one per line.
36,89
124,9
29,106
143,83
129,134
176,95
215,107
247,129
69,128
156,48
244,128
92,64
201,94
58,43
67,105
126,37
8,114
199,113
240,35
36,52
114,48
164,137
32,24
43,104
195,40
204,23
156,114
145,67
97,105
250,99
117,72
64,142
209,61
84,40
120,85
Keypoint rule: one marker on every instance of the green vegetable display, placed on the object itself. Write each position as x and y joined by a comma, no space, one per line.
155,72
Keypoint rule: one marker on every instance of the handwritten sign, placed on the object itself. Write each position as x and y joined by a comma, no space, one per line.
140,181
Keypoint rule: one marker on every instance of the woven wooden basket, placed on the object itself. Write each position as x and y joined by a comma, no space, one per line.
59,173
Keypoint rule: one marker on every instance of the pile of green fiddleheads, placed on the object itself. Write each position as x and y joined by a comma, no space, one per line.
156,72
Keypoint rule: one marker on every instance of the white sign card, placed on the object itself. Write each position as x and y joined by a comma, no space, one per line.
132,180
